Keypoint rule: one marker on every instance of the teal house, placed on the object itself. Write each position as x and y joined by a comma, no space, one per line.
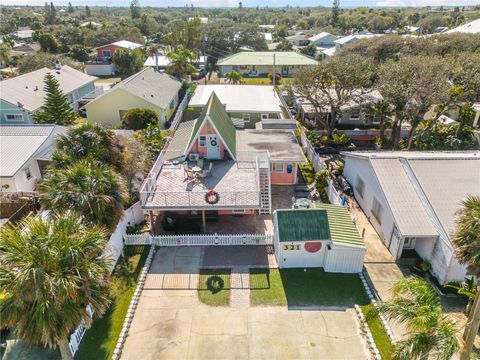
23,95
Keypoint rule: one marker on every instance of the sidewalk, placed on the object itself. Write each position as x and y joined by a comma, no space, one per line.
379,263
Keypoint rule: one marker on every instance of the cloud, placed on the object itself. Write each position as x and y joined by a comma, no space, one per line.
421,3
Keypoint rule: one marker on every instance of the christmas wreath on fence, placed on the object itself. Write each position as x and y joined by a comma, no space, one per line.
212,197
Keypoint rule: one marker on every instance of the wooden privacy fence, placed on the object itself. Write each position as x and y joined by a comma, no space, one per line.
198,239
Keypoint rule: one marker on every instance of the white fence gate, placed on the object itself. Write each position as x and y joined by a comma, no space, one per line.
334,196
199,239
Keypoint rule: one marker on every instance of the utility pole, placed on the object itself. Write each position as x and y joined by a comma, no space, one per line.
205,38
273,70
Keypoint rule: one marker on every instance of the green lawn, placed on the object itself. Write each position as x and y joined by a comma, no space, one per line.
214,287
265,81
296,287
379,334
100,340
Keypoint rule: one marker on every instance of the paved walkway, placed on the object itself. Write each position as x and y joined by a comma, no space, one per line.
174,325
240,287
379,263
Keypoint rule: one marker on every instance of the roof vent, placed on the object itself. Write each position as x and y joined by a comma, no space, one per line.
151,95
36,88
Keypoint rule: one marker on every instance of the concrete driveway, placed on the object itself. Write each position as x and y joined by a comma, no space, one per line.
173,324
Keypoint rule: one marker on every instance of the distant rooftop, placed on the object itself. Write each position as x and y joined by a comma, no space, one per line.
267,58
28,88
472,27
247,98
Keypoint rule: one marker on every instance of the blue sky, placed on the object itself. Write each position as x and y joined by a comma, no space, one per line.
251,3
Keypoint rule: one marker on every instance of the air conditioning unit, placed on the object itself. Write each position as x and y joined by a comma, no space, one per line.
193,157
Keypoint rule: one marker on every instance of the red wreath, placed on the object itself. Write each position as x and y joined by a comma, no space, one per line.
212,197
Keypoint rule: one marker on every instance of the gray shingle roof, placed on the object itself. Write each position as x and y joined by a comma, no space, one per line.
152,86
28,88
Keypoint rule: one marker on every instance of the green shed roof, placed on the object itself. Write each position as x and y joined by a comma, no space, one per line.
325,221
266,58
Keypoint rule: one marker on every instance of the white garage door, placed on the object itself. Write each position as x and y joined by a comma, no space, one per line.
302,254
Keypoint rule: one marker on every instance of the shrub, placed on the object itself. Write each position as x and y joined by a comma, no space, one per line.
139,119
278,78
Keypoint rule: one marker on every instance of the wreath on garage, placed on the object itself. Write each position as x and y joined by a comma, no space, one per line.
212,197
213,142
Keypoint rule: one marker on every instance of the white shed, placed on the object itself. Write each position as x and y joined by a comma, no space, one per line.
321,237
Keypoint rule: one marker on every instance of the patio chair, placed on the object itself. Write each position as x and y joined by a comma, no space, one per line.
189,175
200,163
207,172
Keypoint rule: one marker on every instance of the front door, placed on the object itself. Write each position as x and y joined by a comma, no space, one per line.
285,70
213,147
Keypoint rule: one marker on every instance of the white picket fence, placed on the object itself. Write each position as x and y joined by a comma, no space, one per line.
198,239
77,335
311,153
334,196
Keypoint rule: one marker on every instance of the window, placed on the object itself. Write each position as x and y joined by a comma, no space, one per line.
377,210
107,53
264,116
360,187
28,173
355,116
246,118
14,117
279,167
243,67
202,140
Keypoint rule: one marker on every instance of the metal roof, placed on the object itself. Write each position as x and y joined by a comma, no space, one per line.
324,222
18,143
237,98
266,58
446,182
472,27
281,144
321,35
403,200
150,85
180,141
28,88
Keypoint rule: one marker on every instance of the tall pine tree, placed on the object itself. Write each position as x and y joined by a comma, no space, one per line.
55,109
135,9
70,8
88,13
335,12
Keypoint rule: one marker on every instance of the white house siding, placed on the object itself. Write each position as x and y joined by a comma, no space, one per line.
343,259
456,271
424,247
355,167
133,215
301,257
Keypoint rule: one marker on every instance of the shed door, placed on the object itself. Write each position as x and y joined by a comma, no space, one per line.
395,241
213,147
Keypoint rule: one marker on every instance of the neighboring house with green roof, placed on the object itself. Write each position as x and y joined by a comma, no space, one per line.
147,89
324,236
261,63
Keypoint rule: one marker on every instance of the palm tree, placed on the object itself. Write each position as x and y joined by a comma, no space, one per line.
181,62
50,271
467,288
416,304
85,141
154,50
234,77
88,188
466,240
380,109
